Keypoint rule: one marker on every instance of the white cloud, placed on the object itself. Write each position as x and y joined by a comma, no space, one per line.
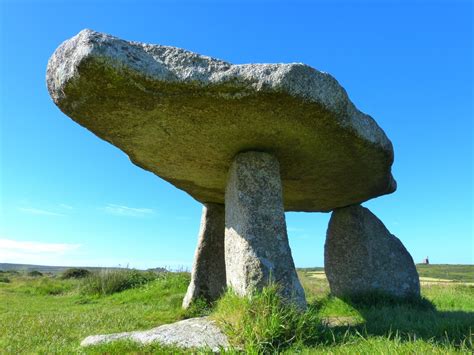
28,252
121,210
16,246
39,212
66,207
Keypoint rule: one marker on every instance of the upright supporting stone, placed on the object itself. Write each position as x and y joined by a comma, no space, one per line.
208,279
256,241
361,256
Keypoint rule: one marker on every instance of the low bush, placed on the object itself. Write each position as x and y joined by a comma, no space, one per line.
109,281
75,273
35,273
4,279
264,323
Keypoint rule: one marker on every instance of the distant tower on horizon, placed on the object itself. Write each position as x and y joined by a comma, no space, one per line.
426,261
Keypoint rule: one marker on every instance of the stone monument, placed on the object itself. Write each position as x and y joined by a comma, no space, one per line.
247,141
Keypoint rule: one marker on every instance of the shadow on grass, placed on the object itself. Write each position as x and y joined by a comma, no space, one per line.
406,320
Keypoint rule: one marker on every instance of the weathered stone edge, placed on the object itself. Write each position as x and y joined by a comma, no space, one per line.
158,335
170,64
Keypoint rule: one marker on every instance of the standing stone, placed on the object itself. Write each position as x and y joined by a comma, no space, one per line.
208,279
256,240
361,256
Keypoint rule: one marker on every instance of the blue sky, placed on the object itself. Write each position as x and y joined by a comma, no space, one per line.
68,198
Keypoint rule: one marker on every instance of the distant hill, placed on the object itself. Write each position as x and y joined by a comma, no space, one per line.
41,268
464,273
55,269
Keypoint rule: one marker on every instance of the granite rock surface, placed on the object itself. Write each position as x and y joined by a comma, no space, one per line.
362,256
184,117
189,333
257,251
208,276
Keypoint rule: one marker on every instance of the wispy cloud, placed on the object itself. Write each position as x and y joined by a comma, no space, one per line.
121,210
66,207
39,211
29,252
36,247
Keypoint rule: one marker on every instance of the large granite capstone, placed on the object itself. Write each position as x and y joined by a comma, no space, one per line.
184,117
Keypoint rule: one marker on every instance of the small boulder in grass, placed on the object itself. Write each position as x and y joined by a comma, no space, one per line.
187,334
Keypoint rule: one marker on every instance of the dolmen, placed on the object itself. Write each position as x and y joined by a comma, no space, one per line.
249,142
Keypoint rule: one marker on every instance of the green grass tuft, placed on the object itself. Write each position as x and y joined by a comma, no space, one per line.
264,323
44,285
109,281
198,308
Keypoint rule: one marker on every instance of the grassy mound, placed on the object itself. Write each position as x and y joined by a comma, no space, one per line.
264,323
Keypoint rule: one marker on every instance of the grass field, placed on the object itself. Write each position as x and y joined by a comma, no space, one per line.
47,314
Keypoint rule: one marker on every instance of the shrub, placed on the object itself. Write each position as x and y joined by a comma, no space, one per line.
264,323
35,273
75,273
4,279
108,281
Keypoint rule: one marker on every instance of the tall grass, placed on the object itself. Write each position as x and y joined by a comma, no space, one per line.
264,323
109,281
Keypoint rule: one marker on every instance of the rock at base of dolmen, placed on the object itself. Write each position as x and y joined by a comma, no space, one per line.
361,256
208,279
189,333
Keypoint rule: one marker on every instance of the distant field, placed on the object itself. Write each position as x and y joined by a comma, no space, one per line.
441,273
41,268
49,315
463,273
